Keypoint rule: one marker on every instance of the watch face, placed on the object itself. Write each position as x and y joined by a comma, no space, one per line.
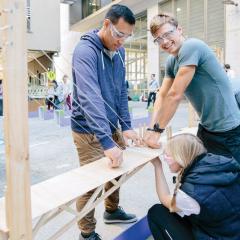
157,128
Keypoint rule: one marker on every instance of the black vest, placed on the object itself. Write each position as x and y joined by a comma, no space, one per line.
213,181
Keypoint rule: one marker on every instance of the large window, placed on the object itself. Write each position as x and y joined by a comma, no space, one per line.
136,58
203,19
90,6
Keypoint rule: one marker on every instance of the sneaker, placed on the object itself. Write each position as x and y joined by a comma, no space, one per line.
119,216
92,236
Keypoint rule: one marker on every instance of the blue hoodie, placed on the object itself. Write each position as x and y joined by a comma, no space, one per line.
99,93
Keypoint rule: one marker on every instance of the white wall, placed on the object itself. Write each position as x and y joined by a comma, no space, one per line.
232,53
69,40
45,25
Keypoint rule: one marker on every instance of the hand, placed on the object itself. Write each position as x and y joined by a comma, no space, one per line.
156,162
115,156
151,139
132,135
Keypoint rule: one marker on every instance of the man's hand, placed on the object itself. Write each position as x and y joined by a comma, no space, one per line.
151,139
115,156
132,135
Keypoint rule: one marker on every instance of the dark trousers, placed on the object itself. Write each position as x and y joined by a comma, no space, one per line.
68,102
49,102
151,97
168,226
221,143
1,107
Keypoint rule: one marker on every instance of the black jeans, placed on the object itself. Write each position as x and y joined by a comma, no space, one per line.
221,143
1,107
151,97
168,226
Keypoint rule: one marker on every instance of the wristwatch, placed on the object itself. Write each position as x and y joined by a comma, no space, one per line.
156,128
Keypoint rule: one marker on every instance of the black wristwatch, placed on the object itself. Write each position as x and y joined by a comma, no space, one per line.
156,128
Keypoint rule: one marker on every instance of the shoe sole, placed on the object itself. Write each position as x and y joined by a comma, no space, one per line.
120,221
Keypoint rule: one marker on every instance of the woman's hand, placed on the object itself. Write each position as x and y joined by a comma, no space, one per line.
156,162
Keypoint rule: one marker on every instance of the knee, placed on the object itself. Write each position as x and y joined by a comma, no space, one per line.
157,211
152,212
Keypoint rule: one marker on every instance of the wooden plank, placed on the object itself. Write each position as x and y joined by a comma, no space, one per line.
192,116
63,188
16,119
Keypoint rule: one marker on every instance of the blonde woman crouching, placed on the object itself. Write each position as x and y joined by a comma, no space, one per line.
206,200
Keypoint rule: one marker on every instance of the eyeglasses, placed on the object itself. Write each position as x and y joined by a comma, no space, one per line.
166,36
119,35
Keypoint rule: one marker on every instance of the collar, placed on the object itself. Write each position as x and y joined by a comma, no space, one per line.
188,168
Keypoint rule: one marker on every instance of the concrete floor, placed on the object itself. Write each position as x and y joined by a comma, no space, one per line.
52,152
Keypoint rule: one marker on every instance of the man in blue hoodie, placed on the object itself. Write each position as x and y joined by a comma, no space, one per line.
100,104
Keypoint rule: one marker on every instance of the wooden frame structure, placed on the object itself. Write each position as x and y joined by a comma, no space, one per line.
56,195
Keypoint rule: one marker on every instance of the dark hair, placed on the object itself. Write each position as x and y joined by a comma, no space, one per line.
120,11
227,66
0,81
55,82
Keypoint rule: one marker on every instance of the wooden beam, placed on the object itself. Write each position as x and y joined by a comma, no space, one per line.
18,209
192,116
169,132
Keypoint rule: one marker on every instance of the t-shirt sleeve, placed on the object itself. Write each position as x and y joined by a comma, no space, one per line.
190,53
169,68
186,204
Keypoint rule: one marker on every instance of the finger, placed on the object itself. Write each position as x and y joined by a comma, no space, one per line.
152,144
137,141
120,161
110,163
126,141
115,163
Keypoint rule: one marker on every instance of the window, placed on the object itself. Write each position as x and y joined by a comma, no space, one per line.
90,6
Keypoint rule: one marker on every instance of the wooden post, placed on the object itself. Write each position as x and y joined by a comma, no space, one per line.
191,116
15,99
169,132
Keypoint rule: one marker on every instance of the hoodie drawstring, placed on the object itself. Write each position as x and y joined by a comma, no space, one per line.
119,54
102,60
121,59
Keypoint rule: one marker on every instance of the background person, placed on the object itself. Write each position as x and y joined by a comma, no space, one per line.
229,71
67,92
235,82
153,87
1,98
58,95
50,98
206,199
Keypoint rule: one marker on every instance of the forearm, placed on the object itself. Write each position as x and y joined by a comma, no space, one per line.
164,109
162,187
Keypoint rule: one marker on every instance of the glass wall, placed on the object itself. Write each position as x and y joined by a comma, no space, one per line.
203,19
89,7
136,59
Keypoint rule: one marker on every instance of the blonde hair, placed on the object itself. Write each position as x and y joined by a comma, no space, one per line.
183,148
159,20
